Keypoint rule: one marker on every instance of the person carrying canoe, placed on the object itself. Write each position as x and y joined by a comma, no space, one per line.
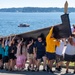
51,44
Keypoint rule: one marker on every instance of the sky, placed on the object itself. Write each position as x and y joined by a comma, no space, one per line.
35,3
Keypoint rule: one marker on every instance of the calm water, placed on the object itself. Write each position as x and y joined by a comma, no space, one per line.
9,21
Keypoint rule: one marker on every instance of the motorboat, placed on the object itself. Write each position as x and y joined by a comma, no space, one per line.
24,25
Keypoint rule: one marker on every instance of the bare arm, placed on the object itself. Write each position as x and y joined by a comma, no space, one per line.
13,38
29,44
20,42
10,41
57,43
34,50
3,43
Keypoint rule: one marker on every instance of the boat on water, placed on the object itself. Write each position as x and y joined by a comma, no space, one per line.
24,25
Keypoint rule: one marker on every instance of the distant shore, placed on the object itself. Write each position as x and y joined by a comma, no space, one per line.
36,9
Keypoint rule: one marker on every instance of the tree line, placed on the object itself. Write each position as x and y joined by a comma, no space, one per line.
36,9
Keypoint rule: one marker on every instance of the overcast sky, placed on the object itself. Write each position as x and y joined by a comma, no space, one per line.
35,3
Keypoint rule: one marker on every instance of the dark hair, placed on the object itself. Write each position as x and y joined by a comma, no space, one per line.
39,36
42,36
56,32
30,38
70,40
1,40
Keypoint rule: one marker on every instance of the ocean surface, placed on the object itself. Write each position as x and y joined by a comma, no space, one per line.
9,21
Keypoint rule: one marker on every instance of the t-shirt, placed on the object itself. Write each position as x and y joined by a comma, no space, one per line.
73,39
59,49
3,53
51,42
40,46
70,50
13,47
6,50
30,50
2,50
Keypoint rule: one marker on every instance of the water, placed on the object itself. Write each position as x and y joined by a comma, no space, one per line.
9,21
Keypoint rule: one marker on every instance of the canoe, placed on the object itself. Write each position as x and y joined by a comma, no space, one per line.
62,30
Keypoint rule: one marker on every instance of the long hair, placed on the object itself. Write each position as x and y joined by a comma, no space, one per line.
70,40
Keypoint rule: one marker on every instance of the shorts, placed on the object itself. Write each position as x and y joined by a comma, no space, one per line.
0,56
5,59
40,55
50,56
59,58
20,65
70,58
30,56
12,56
20,62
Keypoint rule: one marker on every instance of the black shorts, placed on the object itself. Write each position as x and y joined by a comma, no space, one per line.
70,58
12,56
40,55
59,58
0,56
5,59
50,56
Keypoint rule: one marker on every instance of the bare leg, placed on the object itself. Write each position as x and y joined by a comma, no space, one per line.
11,64
51,64
34,63
67,66
44,64
74,66
59,64
30,62
38,63
1,63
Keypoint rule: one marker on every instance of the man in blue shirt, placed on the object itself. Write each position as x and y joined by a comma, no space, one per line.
40,52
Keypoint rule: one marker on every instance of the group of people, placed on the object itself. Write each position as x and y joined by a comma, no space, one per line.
14,52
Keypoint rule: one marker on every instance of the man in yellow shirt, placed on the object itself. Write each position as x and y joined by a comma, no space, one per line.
51,44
